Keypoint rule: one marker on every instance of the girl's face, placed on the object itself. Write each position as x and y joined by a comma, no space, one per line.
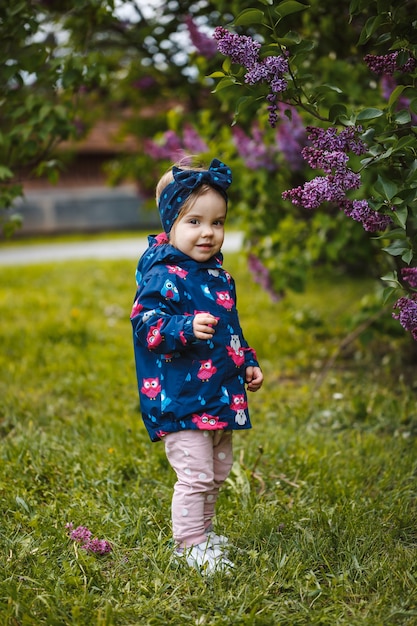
199,233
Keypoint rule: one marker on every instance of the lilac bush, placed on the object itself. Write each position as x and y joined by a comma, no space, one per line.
365,158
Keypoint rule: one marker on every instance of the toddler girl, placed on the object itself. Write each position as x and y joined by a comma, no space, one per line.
192,361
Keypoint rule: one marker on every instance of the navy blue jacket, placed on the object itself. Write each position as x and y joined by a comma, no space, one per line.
184,382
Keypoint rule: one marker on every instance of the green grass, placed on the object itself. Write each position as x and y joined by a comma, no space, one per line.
321,502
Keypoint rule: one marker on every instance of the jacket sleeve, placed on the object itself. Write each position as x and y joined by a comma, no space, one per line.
250,354
157,318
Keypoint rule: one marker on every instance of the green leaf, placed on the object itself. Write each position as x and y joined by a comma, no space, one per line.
289,39
397,248
227,81
289,7
403,117
395,94
370,27
386,187
217,75
248,17
336,111
400,216
369,114
387,294
409,140
325,88
243,103
226,65
408,256
391,277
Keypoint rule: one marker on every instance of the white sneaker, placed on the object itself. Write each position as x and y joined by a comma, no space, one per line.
217,540
205,557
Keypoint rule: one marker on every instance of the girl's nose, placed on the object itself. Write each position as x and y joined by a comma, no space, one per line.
207,230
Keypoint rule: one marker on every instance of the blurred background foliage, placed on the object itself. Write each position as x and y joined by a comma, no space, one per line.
155,66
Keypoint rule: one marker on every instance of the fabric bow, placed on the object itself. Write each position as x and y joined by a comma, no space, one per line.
218,176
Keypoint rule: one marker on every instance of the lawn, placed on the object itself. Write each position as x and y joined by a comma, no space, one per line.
320,505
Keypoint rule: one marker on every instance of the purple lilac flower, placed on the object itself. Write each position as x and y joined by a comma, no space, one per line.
245,51
409,275
169,146
407,313
262,277
291,137
347,140
173,147
322,189
387,63
324,159
202,42
253,149
269,70
328,152
240,48
192,140
360,211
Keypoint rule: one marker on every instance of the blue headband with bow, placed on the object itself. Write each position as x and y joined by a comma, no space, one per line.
218,176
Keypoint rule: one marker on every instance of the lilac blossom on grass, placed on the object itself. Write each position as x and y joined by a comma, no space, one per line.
244,51
407,313
82,535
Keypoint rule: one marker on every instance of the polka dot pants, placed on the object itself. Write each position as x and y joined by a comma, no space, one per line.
202,460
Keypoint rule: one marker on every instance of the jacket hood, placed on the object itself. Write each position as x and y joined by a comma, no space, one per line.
160,252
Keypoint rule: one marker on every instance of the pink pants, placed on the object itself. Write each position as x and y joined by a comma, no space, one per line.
202,460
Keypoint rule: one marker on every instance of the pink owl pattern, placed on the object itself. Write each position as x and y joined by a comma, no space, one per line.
208,422
136,309
151,387
154,336
177,270
225,300
206,371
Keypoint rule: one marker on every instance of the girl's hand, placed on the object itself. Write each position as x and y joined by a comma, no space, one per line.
203,325
254,378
